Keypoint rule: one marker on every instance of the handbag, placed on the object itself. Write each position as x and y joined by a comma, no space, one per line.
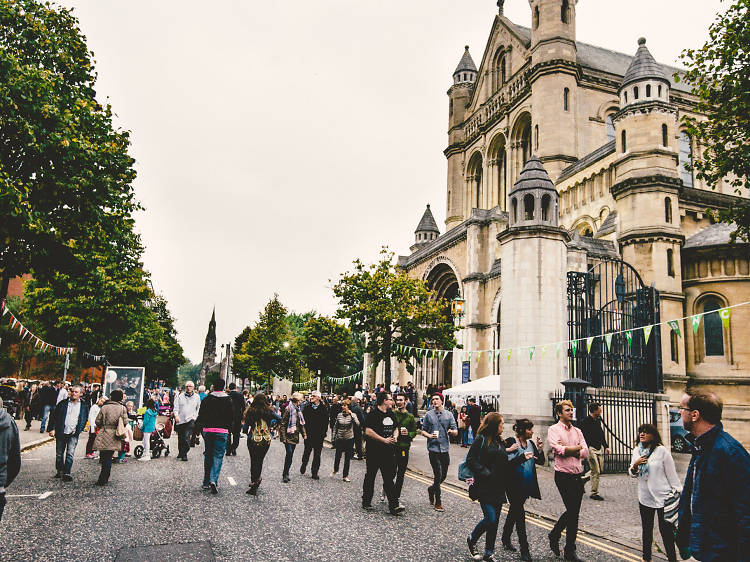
464,472
672,506
120,432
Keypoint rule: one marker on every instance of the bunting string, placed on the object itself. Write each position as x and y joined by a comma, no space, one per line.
26,334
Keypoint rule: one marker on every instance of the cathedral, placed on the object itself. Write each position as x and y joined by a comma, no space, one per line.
572,212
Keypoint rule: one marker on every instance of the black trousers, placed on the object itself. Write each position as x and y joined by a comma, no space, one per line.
647,529
358,441
257,454
106,460
314,447
516,518
439,463
233,439
570,487
401,459
343,447
379,461
184,434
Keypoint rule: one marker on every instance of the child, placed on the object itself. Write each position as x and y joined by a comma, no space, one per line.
149,425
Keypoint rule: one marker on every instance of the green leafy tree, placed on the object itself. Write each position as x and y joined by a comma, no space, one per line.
188,372
392,309
719,73
326,346
65,172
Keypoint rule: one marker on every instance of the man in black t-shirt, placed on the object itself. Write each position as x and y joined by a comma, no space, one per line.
381,433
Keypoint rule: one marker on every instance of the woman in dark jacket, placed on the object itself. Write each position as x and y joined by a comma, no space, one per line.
522,482
258,419
488,461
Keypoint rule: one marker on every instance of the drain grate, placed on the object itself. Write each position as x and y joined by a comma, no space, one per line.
171,552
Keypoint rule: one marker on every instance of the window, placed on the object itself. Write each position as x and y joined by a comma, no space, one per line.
502,71
450,108
626,97
648,90
535,18
686,159
478,179
624,142
610,128
712,330
659,90
536,137
515,209
664,139
464,77
635,93
564,11
673,343
528,207
546,207
670,262
566,95
668,210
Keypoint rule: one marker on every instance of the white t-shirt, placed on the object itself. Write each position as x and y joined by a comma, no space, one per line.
661,478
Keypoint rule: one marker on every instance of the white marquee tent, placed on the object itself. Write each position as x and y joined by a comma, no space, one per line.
486,388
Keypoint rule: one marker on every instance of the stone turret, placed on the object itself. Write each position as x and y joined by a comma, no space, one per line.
466,71
533,199
427,230
644,80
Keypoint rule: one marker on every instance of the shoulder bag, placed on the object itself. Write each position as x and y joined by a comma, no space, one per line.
120,432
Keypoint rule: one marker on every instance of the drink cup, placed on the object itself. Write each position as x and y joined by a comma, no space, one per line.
403,431
436,433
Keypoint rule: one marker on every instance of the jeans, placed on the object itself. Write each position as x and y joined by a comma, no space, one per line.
257,454
402,461
596,462
570,487
379,461
439,463
184,434
315,447
66,448
46,409
343,447
106,460
288,458
487,525
216,446
3,501
465,436
146,445
516,517
647,529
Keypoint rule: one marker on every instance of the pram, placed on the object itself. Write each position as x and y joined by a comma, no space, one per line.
157,443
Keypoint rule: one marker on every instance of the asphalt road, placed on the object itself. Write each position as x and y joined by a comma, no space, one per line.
161,503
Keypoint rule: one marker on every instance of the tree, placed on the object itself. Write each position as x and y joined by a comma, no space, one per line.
65,172
392,309
188,372
326,346
719,73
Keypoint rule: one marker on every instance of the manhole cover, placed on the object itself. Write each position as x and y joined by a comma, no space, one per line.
172,552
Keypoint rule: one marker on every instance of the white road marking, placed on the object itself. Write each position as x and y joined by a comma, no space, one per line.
45,495
42,496
232,481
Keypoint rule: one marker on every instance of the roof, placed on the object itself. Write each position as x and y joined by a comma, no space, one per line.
427,224
466,62
608,226
643,66
583,163
598,58
533,176
715,235
594,246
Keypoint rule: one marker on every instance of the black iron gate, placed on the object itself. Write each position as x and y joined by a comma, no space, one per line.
611,298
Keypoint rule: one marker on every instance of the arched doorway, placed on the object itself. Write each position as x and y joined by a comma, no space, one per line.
443,281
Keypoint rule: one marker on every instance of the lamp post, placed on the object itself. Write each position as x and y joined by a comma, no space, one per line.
457,308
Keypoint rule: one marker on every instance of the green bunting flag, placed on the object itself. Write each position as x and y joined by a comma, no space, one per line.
509,352
724,313
695,321
497,353
544,351
608,339
574,346
445,353
531,352
479,356
629,336
647,333
589,341
469,356
675,326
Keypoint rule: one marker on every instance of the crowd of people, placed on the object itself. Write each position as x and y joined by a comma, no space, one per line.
708,517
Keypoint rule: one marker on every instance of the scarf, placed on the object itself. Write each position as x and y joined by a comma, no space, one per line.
644,452
295,415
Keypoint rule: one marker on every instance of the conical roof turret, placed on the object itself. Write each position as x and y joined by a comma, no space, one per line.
427,223
643,67
533,176
466,62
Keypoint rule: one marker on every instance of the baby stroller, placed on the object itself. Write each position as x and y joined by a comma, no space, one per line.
158,443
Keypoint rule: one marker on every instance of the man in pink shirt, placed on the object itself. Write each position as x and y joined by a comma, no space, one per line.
569,447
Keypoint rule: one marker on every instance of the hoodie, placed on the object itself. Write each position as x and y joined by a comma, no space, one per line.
10,449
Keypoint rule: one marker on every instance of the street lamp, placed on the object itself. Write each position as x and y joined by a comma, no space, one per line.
457,305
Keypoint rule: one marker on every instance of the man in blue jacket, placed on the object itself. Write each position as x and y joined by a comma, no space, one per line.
715,504
68,422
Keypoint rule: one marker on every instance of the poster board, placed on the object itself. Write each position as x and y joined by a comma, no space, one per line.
128,379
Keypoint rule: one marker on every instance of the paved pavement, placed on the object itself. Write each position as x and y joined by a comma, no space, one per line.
161,503
617,518
31,437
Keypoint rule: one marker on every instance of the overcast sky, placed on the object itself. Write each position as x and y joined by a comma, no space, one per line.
276,141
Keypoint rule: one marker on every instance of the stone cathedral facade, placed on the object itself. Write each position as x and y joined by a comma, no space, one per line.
598,137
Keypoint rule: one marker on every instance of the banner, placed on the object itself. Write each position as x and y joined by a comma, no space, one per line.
128,379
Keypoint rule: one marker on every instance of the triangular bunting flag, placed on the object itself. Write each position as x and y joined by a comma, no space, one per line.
695,321
445,353
589,341
497,353
531,352
479,356
574,346
629,336
725,313
509,353
647,333
608,339
675,326
469,356
544,351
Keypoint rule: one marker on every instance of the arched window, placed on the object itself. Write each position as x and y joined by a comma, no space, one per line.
686,159
624,141
664,135
712,330
564,11
502,71
648,90
478,190
610,128
668,210
514,205
536,137
635,93
673,346
528,207
670,262
658,89
535,18
566,95
546,207
626,97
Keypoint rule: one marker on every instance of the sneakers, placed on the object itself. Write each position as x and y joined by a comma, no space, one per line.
91,456
315,477
525,556
367,506
473,549
58,474
347,479
214,488
489,558
398,510
286,479
334,473
143,459
439,507
67,478
597,497
205,487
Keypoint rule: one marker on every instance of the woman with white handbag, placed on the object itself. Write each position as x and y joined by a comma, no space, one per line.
658,489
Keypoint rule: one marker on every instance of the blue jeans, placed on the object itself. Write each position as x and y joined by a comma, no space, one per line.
66,447
45,415
487,525
465,436
213,456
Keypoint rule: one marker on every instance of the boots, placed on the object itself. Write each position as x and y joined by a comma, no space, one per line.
253,489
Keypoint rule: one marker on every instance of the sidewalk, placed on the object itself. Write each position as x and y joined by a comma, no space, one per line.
32,437
617,518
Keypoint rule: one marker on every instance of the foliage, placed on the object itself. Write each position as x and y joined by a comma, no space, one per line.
719,73
65,172
326,346
188,372
391,308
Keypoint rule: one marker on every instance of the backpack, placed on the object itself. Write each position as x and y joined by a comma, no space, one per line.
261,433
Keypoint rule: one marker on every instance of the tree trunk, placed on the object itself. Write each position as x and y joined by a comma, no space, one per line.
387,359
4,284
